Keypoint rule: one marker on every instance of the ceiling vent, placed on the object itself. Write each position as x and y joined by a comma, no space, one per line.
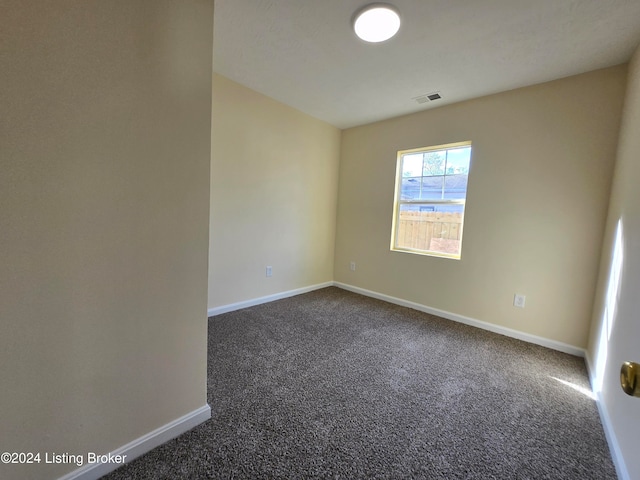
427,97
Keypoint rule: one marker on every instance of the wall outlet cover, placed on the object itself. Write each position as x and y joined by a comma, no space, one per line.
518,300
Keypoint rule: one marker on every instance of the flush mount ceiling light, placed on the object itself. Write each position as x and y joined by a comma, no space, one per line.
376,22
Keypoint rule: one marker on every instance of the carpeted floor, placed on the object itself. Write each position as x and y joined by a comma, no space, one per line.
331,384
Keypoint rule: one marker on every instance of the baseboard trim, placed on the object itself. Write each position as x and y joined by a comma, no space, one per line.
509,332
143,444
212,312
612,441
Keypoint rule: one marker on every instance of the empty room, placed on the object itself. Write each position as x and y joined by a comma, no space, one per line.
266,239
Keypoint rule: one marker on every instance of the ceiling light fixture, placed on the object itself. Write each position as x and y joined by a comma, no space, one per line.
376,22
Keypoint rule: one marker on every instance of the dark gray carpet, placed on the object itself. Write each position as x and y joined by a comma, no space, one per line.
331,384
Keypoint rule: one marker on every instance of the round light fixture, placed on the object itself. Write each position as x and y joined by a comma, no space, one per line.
376,22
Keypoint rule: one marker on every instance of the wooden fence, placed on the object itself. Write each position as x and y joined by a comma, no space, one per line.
435,231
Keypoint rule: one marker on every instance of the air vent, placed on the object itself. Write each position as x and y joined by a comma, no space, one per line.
427,97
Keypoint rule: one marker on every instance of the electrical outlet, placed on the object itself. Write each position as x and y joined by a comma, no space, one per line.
518,300
269,271
352,266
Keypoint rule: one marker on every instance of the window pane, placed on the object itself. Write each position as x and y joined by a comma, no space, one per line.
412,165
434,163
410,188
432,188
458,160
455,186
434,228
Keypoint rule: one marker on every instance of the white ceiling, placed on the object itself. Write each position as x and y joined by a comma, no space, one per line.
305,54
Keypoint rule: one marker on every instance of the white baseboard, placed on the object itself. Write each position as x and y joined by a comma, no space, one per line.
212,312
545,342
509,332
143,444
614,447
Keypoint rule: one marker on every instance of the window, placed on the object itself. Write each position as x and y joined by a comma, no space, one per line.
431,190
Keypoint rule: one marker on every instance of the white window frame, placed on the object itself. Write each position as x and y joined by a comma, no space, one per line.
398,202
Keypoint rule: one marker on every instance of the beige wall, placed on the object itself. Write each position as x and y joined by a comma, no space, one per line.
274,179
537,199
616,327
104,191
